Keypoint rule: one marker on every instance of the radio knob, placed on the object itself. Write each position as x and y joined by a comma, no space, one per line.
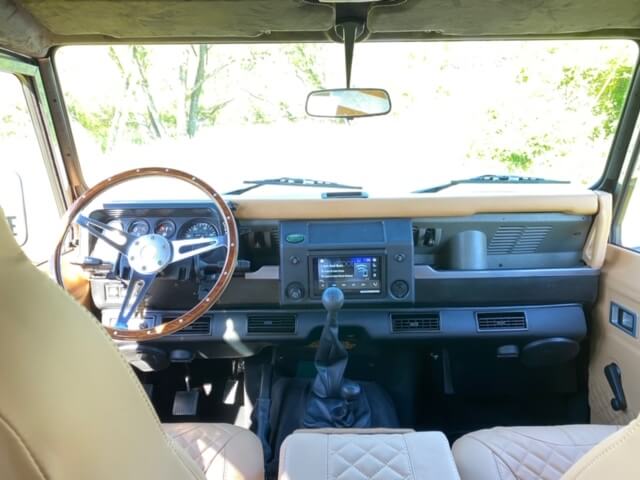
295,291
399,288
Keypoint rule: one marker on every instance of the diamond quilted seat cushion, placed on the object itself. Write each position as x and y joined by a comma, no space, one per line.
525,453
335,454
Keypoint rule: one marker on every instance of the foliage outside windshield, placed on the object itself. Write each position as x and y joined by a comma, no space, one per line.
229,113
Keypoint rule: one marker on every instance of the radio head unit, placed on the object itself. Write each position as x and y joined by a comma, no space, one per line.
353,274
370,260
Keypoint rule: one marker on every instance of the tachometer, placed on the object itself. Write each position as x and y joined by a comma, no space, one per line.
166,228
200,229
139,227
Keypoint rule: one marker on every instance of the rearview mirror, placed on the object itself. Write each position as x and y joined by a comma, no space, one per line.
348,103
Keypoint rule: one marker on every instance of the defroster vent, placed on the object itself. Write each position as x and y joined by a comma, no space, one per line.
415,322
271,324
501,321
202,326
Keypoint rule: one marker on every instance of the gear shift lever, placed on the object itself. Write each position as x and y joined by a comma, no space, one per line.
331,356
334,401
332,301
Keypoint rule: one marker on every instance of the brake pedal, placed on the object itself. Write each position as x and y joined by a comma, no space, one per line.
185,403
230,395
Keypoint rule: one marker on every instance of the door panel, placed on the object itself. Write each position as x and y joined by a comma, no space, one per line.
620,285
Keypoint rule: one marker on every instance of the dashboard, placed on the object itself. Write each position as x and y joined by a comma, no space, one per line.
404,279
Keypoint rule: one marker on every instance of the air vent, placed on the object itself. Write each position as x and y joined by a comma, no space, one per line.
426,237
270,324
263,239
501,321
517,239
415,322
202,326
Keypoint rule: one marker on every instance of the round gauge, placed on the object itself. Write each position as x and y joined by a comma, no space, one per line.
139,227
166,228
200,229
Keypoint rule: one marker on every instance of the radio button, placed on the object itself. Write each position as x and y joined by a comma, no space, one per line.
399,257
295,291
294,260
399,288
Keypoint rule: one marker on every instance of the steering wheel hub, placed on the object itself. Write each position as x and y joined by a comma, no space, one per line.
149,254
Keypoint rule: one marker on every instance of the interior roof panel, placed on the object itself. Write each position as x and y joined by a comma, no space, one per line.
505,17
33,27
169,18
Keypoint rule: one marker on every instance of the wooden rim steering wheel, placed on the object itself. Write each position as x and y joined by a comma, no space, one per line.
150,254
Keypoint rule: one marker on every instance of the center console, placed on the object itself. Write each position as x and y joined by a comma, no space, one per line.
369,260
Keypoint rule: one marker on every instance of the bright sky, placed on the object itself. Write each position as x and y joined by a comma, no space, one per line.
454,104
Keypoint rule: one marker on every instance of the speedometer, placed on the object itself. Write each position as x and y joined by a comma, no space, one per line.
200,230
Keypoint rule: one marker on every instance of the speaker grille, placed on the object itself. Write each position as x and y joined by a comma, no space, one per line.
517,239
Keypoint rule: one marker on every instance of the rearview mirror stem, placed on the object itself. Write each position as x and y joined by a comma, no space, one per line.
349,31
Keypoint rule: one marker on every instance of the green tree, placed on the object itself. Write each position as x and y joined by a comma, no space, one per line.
607,87
138,113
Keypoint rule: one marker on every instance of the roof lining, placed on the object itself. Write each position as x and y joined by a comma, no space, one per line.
413,20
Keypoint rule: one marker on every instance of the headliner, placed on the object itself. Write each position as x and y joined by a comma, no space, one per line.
32,27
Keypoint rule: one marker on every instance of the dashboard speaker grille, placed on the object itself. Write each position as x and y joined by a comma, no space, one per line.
202,326
501,321
415,322
266,324
517,239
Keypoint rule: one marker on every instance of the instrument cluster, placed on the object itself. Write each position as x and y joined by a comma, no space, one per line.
170,228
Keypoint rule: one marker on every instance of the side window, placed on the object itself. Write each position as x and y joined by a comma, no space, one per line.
26,194
630,225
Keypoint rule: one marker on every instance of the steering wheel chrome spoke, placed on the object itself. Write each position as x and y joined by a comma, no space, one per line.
116,238
137,289
191,247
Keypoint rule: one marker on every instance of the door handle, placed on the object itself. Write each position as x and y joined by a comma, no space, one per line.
614,377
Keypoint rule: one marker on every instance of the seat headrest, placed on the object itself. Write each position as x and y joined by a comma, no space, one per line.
8,245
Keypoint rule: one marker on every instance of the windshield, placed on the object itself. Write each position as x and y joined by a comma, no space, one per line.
230,113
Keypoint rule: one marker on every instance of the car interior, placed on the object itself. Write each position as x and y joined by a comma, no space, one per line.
193,285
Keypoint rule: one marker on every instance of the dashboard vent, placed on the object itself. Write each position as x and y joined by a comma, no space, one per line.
202,326
517,239
415,322
269,324
275,238
264,239
501,321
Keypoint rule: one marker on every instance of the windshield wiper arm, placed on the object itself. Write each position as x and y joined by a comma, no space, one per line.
290,182
492,179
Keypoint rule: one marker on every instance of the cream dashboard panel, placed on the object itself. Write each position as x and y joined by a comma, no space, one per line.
415,206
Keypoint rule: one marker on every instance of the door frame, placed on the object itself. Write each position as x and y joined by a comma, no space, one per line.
28,74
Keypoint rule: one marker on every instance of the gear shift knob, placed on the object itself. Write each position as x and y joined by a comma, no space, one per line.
332,299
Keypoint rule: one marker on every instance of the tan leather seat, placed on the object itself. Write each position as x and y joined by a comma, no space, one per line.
526,453
376,454
72,408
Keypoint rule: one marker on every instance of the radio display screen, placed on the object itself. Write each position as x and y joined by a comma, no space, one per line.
352,274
